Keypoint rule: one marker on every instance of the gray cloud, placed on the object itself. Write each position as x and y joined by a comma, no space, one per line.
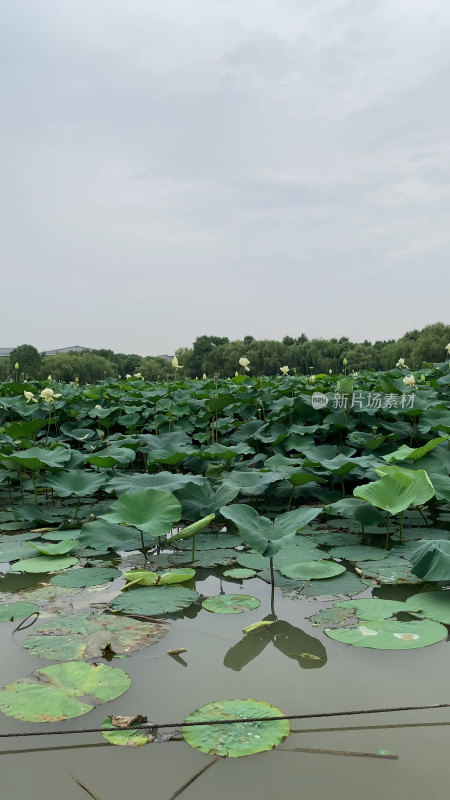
259,167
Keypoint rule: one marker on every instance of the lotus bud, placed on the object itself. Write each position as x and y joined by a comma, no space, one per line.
16,366
345,362
204,376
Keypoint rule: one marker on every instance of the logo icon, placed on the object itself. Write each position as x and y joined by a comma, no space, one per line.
319,400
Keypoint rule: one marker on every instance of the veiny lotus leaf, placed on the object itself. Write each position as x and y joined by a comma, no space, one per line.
56,692
430,605
312,570
85,576
431,560
387,634
45,564
176,576
85,636
231,603
155,600
10,611
240,739
210,541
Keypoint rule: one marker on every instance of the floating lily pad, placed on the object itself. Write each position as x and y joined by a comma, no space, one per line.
239,574
332,617
346,584
334,539
231,603
86,576
431,605
61,535
388,634
10,611
372,608
155,600
57,692
236,740
82,636
124,737
312,570
392,570
45,564
359,552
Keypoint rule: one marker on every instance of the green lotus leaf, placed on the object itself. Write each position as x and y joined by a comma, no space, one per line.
37,458
10,611
359,553
252,483
155,600
312,570
102,536
388,634
431,605
87,636
231,603
57,692
202,500
405,453
236,740
396,490
85,577
164,481
57,549
391,570
239,574
265,536
369,608
111,456
76,482
13,550
150,510
431,560
214,558
45,564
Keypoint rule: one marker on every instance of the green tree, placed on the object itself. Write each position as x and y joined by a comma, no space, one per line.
28,358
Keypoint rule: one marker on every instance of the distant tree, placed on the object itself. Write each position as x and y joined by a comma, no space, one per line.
248,340
28,358
87,367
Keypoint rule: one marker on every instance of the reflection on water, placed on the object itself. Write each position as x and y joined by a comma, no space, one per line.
294,643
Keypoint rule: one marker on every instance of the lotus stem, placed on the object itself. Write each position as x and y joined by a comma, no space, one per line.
387,530
401,525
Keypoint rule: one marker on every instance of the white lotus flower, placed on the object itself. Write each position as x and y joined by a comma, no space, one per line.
137,375
29,397
204,376
355,374
97,406
175,363
330,372
48,395
447,347
409,380
244,362
284,370
49,378
312,378
127,376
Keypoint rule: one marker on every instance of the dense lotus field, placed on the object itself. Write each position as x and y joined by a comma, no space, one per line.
117,498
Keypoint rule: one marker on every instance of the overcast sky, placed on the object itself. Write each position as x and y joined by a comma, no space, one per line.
227,167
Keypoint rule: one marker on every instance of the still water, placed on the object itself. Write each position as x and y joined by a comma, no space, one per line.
296,668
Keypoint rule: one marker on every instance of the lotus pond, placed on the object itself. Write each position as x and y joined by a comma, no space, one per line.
211,550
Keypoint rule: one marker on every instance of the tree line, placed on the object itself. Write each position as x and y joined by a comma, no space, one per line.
215,355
